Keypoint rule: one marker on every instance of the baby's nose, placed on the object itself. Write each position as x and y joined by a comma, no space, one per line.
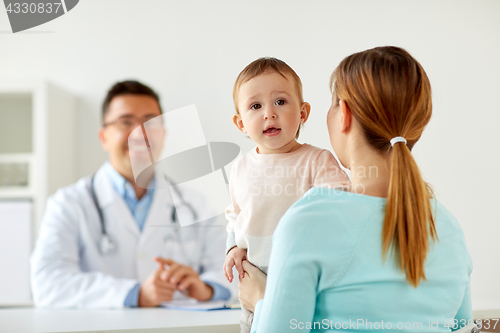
273,116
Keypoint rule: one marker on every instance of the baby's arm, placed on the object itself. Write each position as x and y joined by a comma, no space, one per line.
232,212
234,257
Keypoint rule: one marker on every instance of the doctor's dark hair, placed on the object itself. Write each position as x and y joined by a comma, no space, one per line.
129,87
388,92
263,66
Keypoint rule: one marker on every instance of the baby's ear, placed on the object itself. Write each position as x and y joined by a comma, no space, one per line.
305,110
238,122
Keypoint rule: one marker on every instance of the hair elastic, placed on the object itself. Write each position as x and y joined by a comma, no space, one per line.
397,139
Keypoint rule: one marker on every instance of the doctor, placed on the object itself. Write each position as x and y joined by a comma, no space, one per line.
100,237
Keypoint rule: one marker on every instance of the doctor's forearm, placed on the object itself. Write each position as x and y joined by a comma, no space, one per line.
80,290
132,299
220,293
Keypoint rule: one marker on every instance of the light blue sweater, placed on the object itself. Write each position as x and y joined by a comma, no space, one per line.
326,271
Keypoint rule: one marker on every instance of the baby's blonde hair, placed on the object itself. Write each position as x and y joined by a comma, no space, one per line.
262,66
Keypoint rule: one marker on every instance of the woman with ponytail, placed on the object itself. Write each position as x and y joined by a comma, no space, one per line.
382,254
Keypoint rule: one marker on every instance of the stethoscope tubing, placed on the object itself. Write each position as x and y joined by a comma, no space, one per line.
106,244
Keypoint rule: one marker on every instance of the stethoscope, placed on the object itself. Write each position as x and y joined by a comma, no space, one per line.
106,245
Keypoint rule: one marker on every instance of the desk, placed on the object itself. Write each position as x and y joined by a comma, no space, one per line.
155,320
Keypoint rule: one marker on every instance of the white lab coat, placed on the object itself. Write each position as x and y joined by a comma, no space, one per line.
67,269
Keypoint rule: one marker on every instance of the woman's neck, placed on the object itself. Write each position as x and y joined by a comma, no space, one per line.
370,172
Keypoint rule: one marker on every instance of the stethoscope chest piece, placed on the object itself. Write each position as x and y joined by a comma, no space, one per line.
106,245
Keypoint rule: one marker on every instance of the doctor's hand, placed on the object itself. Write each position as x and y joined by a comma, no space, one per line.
184,278
252,286
154,291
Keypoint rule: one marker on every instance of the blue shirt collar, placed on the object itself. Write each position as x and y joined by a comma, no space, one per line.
123,186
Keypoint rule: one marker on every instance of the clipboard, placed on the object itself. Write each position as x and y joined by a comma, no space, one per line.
194,305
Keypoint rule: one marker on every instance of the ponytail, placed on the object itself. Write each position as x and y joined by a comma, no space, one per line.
408,216
389,94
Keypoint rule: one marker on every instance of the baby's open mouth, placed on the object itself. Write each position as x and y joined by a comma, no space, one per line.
271,130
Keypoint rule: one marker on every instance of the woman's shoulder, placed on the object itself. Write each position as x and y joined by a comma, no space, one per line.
443,215
338,198
447,225
322,209
337,205
325,225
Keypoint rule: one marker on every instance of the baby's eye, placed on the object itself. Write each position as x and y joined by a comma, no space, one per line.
280,102
255,106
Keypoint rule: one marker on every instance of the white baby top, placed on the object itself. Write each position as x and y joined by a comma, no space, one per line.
264,186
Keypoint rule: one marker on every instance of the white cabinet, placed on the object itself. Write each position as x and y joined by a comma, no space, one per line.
37,143
15,249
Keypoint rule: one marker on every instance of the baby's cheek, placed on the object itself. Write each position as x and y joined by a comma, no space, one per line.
252,127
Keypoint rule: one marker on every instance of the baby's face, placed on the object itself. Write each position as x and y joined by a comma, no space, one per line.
270,112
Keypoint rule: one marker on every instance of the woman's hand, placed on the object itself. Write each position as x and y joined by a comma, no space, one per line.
252,286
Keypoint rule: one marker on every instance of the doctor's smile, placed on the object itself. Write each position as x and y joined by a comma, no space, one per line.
140,148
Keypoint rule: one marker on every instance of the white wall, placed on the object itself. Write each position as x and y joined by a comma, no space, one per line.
191,52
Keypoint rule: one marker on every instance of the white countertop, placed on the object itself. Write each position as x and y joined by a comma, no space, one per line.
155,320
486,314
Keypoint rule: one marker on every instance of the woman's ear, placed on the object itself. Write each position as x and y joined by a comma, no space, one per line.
305,110
345,117
239,123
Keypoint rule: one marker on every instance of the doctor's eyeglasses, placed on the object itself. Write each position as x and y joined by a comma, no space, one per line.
127,123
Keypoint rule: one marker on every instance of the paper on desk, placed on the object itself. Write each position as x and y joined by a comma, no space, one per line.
194,305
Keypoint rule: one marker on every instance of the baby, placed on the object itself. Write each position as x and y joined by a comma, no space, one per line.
266,181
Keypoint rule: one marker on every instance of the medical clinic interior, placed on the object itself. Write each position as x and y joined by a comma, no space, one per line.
249,166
